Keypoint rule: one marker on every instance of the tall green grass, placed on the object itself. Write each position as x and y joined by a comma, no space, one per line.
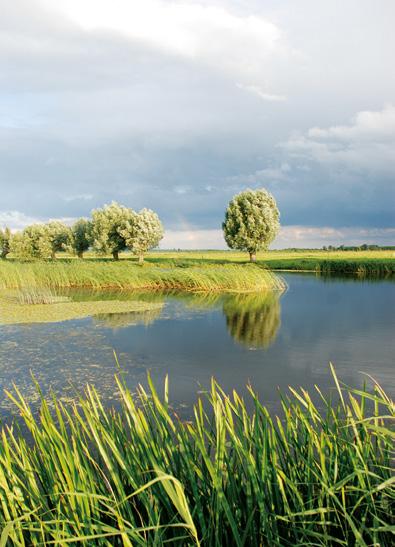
128,275
362,267
140,476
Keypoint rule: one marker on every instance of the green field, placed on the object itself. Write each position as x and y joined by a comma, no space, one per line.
355,262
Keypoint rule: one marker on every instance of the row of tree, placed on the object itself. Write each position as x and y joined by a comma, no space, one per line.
112,229
364,247
252,221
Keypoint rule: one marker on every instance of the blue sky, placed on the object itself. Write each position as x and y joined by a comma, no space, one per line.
177,106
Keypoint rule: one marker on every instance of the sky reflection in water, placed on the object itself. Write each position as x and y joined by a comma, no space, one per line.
269,341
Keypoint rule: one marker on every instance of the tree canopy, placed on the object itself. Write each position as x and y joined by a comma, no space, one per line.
81,236
252,221
107,224
142,232
5,242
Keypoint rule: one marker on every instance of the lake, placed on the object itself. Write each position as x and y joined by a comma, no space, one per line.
271,341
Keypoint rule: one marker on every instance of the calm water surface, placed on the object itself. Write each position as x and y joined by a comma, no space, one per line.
269,341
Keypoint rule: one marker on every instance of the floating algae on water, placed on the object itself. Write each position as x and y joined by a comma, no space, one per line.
13,312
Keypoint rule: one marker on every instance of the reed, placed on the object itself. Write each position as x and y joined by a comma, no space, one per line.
30,296
129,275
141,476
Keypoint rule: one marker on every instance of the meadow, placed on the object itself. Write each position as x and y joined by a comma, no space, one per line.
141,476
348,262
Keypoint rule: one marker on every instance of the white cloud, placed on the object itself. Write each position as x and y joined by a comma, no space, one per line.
368,143
318,236
193,239
259,92
181,189
78,197
289,236
215,36
16,220
367,125
263,176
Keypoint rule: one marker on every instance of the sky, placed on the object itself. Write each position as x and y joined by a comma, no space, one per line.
179,105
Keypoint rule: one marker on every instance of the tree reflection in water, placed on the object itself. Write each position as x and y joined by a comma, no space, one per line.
253,319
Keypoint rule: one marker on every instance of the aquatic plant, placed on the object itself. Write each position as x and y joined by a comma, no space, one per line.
29,296
129,275
321,475
12,313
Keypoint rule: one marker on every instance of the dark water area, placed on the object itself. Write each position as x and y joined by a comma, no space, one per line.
271,341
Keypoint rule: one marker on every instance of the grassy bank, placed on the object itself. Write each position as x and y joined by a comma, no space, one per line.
126,274
361,263
142,477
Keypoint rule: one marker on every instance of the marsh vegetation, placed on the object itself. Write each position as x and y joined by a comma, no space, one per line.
141,476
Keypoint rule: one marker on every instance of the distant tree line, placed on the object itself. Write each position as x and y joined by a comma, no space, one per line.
364,247
110,230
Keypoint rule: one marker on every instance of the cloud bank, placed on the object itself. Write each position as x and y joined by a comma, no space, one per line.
179,105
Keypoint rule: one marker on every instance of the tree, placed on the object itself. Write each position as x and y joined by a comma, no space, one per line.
107,224
5,241
252,221
81,236
142,232
58,236
32,242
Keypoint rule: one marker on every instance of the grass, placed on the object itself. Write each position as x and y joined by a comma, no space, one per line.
108,312
140,476
36,295
361,263
128,275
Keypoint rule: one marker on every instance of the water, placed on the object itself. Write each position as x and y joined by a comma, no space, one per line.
272,342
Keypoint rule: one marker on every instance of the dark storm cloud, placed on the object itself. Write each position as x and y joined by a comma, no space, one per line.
178,106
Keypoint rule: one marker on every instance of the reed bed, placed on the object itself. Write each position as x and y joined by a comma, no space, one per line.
141,476
363,267
128,275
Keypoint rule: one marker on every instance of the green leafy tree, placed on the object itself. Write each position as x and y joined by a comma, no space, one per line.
32,242
107,224
81,236
252,221
5,241
58,237
142,232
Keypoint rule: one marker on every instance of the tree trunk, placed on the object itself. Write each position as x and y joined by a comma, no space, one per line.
4,255
141,258
252,257
53,255
80,254
115,255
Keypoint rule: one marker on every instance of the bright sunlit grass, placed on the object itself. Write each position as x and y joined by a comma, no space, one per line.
320,476
128,275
